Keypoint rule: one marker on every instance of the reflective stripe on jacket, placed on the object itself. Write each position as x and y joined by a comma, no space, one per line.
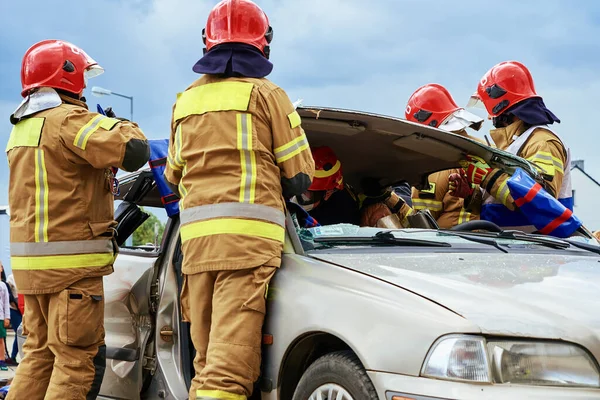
546,149
60,195
232,142
448,210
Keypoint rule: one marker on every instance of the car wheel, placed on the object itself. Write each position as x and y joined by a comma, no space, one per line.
336,376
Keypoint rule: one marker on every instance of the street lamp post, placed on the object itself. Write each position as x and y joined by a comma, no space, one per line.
99,92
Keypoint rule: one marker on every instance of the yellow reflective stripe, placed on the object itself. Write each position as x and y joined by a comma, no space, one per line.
434,205
232,226
220,96
247,158
99,121
178,140
430,190
61,262
26,133
503,192
171,163
408,213
182,190
295,119
41,197
325,174
464,216
218,395
547,162
291,148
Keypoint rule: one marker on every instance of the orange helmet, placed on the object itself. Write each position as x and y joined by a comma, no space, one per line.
433,105
238,21
57,64
503,86
328,170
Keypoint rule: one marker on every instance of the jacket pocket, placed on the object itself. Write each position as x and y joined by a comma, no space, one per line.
257,291
102,228
81,317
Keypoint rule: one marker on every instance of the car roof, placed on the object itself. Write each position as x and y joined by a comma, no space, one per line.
386,148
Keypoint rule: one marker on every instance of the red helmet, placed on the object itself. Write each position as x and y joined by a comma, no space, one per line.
433,105
238,21
503,86
57,64
430,105
328,170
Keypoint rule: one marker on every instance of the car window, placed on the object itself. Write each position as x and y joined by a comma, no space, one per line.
148,236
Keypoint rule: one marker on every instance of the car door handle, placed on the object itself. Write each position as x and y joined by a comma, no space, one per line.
166,333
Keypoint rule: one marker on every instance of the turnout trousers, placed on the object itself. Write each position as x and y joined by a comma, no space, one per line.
226,310
65,355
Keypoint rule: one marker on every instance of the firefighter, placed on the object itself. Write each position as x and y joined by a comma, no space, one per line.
237,149
433,105
329,199
521,122
61,200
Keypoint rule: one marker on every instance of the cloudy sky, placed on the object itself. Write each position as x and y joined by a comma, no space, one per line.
357,54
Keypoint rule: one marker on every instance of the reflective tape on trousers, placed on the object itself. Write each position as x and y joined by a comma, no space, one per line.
61,248
232,210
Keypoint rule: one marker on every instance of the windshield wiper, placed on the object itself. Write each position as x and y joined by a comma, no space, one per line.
547,241
584,246
475,238
381,238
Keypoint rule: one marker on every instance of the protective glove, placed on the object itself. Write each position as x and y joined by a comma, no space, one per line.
459,185
476,169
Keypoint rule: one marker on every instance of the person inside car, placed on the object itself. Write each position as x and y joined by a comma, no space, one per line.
387,207
328,199
433,105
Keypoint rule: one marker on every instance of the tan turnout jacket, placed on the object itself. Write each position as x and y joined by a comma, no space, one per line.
232,142
61,223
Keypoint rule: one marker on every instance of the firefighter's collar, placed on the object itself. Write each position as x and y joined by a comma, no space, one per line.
40,100
503,137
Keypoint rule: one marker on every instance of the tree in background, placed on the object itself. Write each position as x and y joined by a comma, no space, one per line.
146,232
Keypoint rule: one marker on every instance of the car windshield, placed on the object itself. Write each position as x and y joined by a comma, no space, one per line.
343,235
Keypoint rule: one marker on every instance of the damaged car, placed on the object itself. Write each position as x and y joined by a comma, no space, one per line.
365,313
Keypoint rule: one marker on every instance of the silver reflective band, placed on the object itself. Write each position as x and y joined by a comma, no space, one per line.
60,248
242,210
282,153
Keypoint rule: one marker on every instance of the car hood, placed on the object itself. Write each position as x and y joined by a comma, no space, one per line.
537,295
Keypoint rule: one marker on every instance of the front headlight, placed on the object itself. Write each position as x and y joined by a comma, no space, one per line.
472,358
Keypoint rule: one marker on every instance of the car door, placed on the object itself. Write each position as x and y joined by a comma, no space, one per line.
128,319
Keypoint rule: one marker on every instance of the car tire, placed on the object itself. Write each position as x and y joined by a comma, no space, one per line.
333,373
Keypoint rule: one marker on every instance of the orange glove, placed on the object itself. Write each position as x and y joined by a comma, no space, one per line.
459,185
476,168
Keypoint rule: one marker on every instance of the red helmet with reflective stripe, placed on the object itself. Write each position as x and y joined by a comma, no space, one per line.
328,170
505,85
238,21
57,64
431,105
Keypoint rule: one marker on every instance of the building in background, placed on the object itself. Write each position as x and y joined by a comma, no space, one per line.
5,238
586,195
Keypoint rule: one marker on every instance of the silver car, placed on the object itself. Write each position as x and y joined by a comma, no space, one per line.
365,313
